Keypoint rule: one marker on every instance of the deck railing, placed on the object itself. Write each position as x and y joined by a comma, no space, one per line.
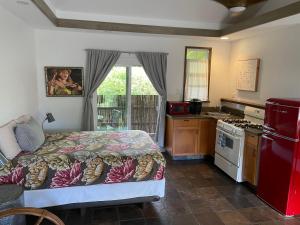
112,113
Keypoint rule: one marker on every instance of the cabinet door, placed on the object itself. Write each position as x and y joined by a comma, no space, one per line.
212,137
186,141
169,135
249,164
204,144
250,159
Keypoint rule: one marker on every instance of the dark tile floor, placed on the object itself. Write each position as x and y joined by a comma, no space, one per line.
197,193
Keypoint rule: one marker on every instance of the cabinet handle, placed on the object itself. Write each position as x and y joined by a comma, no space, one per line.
186,120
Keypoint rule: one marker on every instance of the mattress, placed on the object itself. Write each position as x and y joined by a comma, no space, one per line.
87,158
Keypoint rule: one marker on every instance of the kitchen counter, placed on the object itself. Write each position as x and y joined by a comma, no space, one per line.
189,116
206,115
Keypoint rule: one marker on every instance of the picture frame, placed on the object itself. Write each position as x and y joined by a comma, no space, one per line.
64,81
248,74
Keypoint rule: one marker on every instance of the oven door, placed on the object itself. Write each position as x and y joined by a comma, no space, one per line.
228,146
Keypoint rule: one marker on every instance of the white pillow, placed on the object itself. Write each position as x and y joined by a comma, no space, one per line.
8,142
23,119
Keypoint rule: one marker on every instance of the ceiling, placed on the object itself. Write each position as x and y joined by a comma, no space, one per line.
183,13
201,14
205,14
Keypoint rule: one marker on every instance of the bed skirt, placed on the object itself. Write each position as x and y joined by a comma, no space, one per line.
93,193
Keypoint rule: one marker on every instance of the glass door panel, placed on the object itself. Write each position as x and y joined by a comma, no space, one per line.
126,99
112,101
144,101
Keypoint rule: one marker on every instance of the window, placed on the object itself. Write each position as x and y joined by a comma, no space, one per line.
197,73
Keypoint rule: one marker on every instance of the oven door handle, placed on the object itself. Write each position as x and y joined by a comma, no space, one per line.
230,135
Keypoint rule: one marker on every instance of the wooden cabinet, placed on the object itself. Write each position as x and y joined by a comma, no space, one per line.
186,141
212,136
204,144
190,136
251,156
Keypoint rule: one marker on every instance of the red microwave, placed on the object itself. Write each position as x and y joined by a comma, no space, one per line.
178,108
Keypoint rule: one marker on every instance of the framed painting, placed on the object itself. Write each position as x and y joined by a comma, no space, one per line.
64,81
248,72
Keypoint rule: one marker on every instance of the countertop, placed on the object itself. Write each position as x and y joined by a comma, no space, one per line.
189,116
206,116
202,116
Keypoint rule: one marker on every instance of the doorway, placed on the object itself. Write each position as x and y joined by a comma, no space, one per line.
127,100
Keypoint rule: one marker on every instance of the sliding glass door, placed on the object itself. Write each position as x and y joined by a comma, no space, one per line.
127,100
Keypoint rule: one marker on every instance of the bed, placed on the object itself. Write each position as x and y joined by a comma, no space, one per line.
91,166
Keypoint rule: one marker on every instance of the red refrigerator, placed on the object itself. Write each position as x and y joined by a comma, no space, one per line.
279,167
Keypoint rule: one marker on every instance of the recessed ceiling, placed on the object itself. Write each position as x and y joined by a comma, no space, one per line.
205,14
194,10
28,12
184,13
199,14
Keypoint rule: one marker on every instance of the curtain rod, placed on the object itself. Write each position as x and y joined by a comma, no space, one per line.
128,52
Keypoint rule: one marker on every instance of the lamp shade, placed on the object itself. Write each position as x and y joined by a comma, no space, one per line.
50,117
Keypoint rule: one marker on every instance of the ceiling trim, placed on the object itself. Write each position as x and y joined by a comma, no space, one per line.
136,28
45,9
276,14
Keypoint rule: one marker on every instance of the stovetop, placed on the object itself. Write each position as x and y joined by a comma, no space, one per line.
236,121
243,123
250,125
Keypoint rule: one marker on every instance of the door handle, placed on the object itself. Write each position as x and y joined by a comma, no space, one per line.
270,139
280,111
267,127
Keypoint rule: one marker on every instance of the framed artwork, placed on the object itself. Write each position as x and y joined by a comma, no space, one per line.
248,72
64,81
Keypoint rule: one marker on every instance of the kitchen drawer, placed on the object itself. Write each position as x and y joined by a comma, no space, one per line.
226,166
252,139
186,123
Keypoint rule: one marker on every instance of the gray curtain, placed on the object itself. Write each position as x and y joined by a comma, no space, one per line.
155,66
99,63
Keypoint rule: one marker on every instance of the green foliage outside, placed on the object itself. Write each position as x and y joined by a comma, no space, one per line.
197,54
115,84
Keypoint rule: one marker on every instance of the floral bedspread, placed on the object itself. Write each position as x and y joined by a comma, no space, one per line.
86,158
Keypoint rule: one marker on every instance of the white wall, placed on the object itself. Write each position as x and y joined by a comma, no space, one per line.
280,64
18,93
66,48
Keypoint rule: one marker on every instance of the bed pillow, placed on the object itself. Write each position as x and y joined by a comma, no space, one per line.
30,135
8,142
23,119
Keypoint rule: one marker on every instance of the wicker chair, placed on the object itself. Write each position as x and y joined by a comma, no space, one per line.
41,213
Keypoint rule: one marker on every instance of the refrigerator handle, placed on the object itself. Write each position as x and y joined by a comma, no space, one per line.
277,136
265,137
268,128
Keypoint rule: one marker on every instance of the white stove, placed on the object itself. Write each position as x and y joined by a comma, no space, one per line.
230,137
